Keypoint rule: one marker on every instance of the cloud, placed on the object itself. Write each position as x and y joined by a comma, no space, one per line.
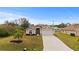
39,21
12,16
9,16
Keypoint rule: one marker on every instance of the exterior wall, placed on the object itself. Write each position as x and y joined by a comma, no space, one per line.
77,33
33,31
40,31
27,31
69,32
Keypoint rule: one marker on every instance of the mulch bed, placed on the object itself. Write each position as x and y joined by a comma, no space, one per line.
16,41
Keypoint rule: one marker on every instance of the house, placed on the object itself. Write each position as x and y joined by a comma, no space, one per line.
56,29
71,30
34,30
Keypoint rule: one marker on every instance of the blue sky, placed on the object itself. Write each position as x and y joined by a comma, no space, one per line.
41,15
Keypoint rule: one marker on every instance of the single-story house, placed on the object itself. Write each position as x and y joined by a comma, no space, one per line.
34,30
71,30
56,29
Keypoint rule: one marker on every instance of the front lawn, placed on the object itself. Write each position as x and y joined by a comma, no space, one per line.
32,43
72,42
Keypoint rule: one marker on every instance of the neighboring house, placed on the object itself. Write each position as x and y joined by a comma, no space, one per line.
34,30
56,29
71,30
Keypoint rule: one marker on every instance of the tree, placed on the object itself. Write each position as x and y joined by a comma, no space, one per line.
62,25
18,34
12,23
24,23
68,24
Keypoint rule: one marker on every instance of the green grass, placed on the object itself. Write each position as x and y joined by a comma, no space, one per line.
72,42
30,42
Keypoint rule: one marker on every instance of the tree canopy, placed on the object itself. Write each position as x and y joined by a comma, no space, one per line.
62,25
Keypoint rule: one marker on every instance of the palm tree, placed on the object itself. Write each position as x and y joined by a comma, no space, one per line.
19,34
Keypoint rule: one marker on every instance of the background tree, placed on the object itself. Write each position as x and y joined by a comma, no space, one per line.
23,22
68,24
12,23
62,25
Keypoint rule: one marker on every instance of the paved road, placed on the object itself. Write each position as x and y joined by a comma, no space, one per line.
52,43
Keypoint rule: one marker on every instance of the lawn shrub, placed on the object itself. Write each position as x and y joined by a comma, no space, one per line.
6,30
4,34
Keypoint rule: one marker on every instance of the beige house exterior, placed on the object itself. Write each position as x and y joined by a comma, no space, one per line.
37,29
34,30
72,29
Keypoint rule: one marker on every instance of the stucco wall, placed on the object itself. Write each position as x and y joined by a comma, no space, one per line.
33,31
69,32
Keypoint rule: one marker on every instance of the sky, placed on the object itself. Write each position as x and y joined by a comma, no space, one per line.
41,15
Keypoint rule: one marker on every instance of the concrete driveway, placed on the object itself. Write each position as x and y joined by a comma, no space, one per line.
52,43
